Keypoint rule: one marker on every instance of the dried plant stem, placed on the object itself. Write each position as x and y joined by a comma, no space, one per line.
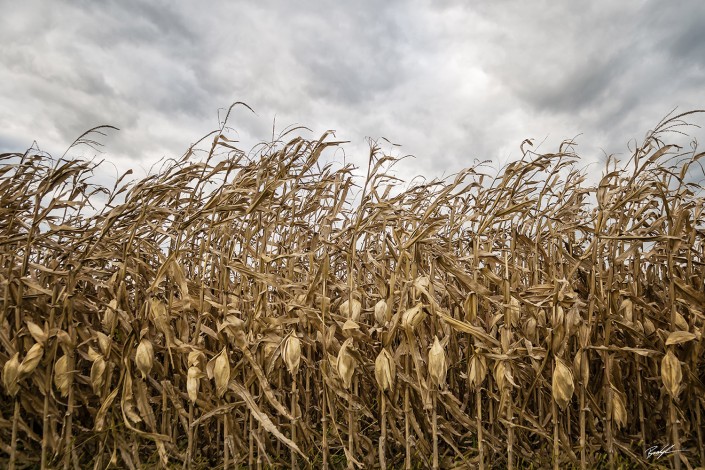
507,392
324,361
556,441
583,386
383,430
68,439
478,387
435,430
260,446
189,450
46,431
478,425
226,448
699,421
324,424
351,432
251,449
15,423
640,403
16,404
607,392
510,431
294,421
407,413
673,419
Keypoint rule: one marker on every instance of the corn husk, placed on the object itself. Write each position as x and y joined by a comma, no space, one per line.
104,342
619,409
581,368
37,332
381,317
144,357
413,317
346,363
221,372
351,310
11,375
32,359
98,375
291,353
437,365
385,370
61,375
671,374
478,370
193,383
562,385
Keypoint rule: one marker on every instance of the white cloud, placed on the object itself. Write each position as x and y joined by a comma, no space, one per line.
451,82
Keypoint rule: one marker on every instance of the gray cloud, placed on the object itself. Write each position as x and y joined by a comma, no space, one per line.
450,81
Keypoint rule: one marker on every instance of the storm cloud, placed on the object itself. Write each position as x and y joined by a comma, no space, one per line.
452,82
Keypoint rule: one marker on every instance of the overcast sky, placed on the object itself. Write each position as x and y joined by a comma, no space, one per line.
451,81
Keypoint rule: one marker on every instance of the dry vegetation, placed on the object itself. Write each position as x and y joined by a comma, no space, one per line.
243,311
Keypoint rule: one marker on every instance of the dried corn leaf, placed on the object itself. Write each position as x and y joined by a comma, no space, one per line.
102,414
679,337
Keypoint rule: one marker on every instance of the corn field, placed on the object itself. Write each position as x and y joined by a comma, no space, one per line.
272,310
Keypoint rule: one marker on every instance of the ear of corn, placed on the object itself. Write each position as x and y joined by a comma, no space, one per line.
562,385
169,319
385,370
144,357
11,375
437,366
291,353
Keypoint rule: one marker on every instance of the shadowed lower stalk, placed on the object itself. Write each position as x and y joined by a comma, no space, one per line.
583,457
675,438
478,386
478,425
15,423
294,421
407,411
68,444
698,415
435,430
324,397
47,385
226,448
189,451
351,432
324,425
556,445
507,392
640,402
383,430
